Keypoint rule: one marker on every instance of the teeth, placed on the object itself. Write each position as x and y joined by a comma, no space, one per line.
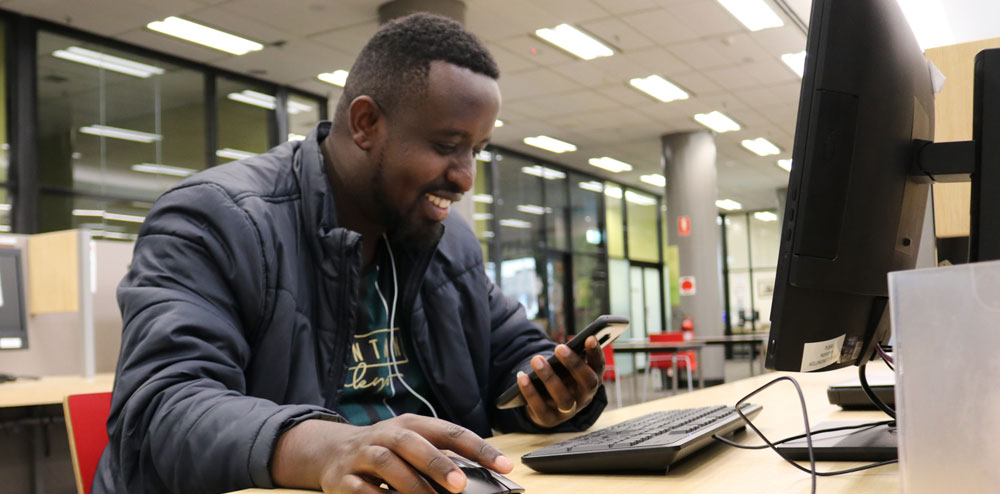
439,201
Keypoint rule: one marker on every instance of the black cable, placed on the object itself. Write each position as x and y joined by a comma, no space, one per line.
808,436
800,436
871,394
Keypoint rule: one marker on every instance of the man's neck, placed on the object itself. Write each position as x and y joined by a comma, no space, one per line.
348,214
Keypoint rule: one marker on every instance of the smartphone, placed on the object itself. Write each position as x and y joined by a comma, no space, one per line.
605,328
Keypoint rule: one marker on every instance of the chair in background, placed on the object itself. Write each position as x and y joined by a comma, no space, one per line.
664,361
86,426
610,373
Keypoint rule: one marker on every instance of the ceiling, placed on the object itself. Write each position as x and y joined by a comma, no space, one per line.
694,43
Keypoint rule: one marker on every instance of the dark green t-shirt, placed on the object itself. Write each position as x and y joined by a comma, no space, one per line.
372,387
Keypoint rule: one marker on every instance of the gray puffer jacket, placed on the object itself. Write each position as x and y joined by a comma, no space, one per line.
238,309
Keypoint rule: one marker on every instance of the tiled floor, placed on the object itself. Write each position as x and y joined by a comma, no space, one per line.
632,386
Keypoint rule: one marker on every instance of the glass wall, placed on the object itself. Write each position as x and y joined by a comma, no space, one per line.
303,114
246,118
5,199
521,223
643,232
751,261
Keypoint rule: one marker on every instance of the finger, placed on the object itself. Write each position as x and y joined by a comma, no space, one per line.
595,355
543,410
355,483
384,464
586,378
557,389
423,456
446,435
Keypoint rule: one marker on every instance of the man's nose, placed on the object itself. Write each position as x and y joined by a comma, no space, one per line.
463,173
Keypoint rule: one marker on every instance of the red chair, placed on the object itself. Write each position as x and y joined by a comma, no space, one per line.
610,374
86,426
664,361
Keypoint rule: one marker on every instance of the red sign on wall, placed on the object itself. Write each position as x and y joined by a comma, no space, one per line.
687,285
684,226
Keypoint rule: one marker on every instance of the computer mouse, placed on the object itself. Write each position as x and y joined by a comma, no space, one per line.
482,480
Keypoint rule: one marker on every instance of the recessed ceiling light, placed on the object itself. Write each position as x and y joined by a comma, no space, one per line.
612,191
204,35
254,98
533,209
717,121
549,144
295,137
483,198
610,164
337,77
728,204
591,186
795,61
234,154
109,62
484,155
640,199
130,218
655,180
543,172
575,41
119,133
659,88
498,123
512,223
785,165
88,212
765,216
482,216
761,146
174,171
754,14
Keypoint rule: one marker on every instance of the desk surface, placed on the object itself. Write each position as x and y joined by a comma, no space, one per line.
50,390
717,468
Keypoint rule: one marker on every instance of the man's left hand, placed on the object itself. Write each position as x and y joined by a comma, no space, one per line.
568,395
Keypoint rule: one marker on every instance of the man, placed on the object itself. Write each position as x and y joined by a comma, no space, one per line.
282,310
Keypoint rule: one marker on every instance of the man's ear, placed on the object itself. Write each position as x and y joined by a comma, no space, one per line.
365,122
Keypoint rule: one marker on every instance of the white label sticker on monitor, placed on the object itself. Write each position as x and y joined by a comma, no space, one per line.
822,353
8,343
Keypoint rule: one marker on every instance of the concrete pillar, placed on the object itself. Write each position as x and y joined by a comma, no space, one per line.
689,166
454,9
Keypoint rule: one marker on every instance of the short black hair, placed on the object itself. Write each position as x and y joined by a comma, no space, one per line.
394,64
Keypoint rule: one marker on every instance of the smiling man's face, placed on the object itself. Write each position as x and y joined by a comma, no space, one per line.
427,159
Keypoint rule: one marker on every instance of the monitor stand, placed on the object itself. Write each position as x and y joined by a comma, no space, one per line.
871,444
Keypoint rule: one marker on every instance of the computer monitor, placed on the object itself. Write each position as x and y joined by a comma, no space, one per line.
13,326
853,211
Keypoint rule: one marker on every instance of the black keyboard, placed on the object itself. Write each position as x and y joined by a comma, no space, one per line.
651,442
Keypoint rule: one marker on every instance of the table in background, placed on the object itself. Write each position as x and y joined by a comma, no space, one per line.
717,468
649,347
757,341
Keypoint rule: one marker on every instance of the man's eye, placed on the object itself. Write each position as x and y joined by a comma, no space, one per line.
445,148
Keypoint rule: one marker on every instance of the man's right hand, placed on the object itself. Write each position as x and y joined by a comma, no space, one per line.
342,458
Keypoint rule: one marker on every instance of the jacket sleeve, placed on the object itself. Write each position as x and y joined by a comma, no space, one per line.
196,293
515,340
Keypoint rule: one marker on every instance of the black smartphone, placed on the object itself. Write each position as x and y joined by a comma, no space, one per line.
605,328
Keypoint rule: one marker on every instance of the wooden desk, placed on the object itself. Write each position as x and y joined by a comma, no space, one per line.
50,390
717,468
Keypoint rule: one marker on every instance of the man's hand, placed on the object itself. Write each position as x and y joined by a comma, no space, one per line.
566,396
343,458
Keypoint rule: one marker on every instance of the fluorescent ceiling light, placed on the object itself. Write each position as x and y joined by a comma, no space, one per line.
119,133
655,180
4,207
754,14
515,223
296,137
483,198
89,212
785,165
482,216
549,144
267,101
659,88
575,41
488,235
118,235
204,35
795,61
337,77
174,171
131,218
728,204
610,164
484,155
592,186
109,62
295,107
612,191
765,216
761,146
533,209
234,154
543,172
498,123
640,199
717,121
